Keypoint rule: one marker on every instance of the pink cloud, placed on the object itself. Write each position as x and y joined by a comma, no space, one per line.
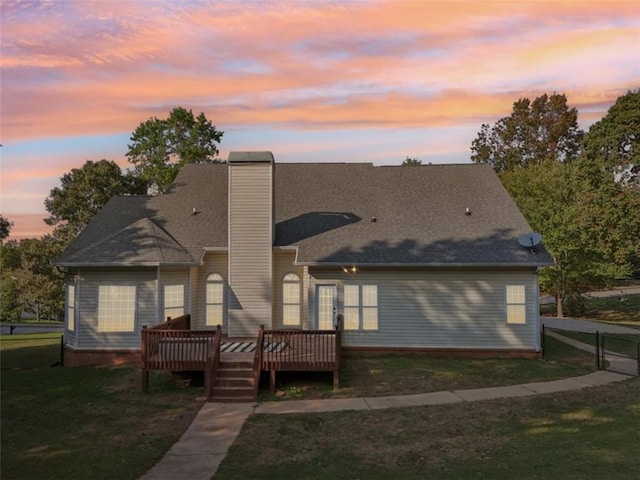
77,68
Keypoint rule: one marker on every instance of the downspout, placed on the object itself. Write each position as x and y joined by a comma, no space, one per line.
158,295
536,302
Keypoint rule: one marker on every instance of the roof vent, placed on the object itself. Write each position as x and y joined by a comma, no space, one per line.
467,211
374,219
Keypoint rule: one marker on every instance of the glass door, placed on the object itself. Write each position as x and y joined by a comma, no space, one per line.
326,306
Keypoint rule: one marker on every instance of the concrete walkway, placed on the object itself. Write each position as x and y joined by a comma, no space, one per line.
586,326
199,452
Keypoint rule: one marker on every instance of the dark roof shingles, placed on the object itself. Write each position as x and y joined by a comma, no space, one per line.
326,210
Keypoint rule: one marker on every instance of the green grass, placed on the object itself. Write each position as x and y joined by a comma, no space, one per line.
84,422
378,375
622,343
611,309
608,309
29,351
586,434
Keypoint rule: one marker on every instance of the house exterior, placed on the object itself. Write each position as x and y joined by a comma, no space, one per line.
418,258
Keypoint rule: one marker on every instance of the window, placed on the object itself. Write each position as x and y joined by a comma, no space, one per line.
361,307
516,304
116,308
71,307
291,299
215,300
173,301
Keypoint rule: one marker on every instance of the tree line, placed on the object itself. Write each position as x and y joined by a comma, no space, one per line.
581,190
158,149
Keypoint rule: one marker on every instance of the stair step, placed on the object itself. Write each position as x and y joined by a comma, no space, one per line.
234,373
233,382
228,364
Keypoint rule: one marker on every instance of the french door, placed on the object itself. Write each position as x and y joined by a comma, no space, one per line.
326,306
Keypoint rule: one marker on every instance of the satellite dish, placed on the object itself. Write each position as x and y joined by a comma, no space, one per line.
530,240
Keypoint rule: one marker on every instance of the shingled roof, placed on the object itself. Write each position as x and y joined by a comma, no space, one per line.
334,213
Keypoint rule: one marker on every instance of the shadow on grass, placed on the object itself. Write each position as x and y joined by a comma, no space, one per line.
86,422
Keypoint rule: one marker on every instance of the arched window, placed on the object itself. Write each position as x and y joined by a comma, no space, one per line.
291,299
215,299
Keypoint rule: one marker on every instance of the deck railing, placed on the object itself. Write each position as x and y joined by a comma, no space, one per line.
179,323
180,350
257,362
302,350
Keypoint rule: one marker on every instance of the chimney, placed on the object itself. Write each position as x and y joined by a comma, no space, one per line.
251,233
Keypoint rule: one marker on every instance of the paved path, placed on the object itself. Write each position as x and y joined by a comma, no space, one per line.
199,452
21,328
587,326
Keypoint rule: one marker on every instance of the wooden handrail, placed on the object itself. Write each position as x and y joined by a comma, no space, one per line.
336,367
213,362
257,362
179,350
302,350
179,323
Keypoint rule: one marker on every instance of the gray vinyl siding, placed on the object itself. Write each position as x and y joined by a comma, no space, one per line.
250,248
283,264
89,281
213,262
441,308
173,276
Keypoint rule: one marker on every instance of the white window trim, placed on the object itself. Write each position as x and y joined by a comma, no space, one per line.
360,309
71,306
291,279
128,315
175,309
516,304
217,280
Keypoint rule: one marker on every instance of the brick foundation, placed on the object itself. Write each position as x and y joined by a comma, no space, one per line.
77,358
444,352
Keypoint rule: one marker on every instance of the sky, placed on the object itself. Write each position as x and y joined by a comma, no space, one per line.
311,81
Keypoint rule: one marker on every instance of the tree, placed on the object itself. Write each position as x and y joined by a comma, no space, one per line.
5,228
29,280
411,162
160,147
613,143
84,191
579,200
545,193
545,129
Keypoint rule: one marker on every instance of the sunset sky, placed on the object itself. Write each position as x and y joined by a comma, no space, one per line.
342,81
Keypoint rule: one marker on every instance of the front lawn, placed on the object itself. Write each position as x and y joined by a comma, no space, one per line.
84,422
586,434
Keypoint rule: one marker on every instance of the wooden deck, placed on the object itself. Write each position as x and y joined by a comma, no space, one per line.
166,347
301,350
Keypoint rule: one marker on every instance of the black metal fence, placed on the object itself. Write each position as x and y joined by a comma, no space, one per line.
620,354
614,352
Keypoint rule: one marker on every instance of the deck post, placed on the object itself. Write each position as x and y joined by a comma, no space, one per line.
143,356
272,381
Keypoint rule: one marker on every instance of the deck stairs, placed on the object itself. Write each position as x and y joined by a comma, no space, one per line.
234,381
